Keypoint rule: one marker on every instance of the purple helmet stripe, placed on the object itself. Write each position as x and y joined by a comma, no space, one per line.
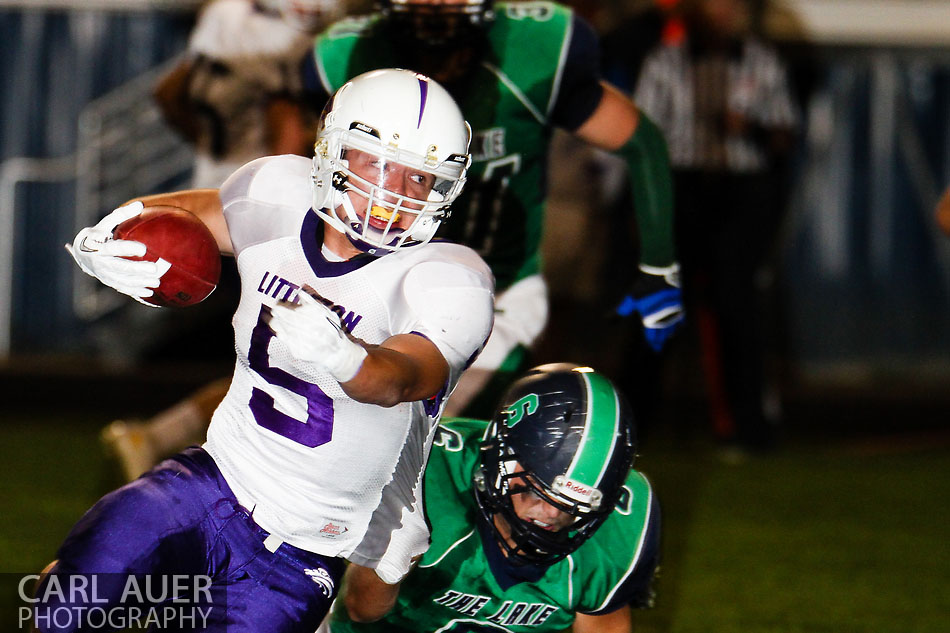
423,94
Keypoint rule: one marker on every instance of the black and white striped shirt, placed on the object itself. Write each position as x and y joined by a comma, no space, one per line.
689,96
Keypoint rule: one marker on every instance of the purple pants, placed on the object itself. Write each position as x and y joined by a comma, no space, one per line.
174,550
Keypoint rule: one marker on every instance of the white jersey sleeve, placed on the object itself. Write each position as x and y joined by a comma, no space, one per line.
447,293
266,198
234,28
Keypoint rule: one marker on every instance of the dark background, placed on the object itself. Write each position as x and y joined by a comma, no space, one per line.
841,529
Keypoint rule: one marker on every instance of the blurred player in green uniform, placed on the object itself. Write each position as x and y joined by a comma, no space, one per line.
518,70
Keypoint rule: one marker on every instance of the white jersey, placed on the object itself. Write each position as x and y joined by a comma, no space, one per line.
316,468
235,28
241,56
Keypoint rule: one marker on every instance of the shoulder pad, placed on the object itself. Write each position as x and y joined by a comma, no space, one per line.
273,179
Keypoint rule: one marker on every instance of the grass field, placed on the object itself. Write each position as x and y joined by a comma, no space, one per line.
840,535
812,539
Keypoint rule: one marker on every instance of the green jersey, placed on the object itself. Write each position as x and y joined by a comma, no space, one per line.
454,588
510,102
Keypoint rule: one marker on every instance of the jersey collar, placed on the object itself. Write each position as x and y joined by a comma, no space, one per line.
311,239
506,574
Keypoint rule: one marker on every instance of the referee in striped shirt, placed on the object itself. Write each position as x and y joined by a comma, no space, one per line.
723,100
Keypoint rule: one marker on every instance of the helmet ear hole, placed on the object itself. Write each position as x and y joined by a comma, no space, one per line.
424,229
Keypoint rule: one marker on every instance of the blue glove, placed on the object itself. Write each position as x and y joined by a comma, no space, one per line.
657,298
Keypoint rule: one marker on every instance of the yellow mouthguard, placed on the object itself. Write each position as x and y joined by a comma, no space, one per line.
383,213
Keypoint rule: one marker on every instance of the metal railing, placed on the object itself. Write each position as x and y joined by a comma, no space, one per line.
124,149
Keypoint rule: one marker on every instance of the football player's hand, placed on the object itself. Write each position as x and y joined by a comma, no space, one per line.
104,258
312,332
657,298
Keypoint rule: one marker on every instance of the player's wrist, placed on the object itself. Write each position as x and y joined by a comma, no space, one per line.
670,273
348,362
658,269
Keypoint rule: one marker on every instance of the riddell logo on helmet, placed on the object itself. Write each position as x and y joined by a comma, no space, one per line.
577,489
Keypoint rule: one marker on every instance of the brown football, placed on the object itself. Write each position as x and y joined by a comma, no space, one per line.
181,239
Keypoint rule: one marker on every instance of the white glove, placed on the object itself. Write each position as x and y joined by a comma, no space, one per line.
104,258
313,333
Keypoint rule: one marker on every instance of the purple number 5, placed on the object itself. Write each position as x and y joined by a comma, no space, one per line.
317,429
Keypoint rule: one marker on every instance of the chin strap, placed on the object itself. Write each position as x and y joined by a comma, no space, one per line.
424,229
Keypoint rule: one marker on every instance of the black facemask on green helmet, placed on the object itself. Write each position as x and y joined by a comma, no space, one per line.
573,435
439,25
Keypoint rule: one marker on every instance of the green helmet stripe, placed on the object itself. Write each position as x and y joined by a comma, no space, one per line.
600,431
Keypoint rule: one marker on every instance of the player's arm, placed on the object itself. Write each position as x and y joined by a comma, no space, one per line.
613,121
171,96
601,115
204,203
455,306
636,587
404,368
616,125
287,128
288,120
618,621
365,595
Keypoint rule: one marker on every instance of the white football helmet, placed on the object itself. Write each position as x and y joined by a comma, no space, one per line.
402,121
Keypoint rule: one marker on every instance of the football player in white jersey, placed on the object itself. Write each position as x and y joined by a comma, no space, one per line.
351,332
224,96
